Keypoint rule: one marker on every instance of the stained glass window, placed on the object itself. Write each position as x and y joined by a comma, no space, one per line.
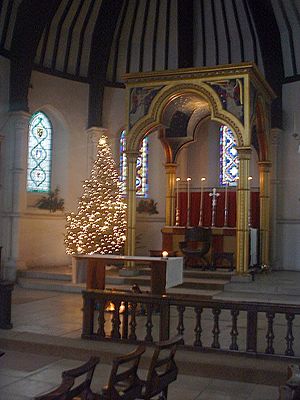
141,167
229,169
39,153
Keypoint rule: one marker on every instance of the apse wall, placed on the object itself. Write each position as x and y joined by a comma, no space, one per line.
65,103
4,93
288,220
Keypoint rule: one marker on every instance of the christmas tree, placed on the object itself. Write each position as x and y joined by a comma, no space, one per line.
99,226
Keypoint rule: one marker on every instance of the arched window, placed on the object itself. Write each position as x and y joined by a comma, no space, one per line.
141,167
39,153
229,168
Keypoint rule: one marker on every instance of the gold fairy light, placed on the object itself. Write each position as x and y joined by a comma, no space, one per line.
100,222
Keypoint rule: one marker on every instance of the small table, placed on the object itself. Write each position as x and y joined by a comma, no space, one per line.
166,272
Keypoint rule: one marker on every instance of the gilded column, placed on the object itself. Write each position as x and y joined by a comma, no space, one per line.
131,201
170,169
243,203
264,197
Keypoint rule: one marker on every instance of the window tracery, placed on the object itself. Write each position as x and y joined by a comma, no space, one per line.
39,153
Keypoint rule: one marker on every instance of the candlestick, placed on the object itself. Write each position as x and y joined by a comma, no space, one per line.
225,207
214,195
188,201
177,202
249,211
201,202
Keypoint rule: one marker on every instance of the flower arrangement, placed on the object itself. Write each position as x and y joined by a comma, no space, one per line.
147,206
51,202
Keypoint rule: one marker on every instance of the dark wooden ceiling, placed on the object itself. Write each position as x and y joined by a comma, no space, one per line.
97,41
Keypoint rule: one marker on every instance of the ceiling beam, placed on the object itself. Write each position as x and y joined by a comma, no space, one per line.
32,17
185,22
270,44
99,56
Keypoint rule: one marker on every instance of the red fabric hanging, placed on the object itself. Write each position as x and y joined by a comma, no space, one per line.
220,208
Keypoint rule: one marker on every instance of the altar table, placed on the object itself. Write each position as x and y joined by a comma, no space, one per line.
166,272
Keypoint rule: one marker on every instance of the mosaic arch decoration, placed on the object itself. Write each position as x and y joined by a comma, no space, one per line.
39,153
141,167
231,94
229,168
140,101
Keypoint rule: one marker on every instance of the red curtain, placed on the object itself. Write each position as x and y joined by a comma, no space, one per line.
207,209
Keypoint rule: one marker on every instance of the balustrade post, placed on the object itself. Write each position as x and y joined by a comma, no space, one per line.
164,322
251,331
88,315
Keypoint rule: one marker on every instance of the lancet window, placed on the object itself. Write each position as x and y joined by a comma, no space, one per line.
39,153
141,167
229,169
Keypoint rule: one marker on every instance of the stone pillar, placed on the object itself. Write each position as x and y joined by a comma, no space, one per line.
264,197
275,143
15,191
170,169
243,203
93,135
131,201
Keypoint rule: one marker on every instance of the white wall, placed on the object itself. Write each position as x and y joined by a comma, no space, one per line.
66,104
4,105
149,227
289,182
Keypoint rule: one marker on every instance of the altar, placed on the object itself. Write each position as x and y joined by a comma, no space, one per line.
166,272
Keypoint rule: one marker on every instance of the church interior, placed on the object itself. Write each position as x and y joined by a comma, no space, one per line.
187,113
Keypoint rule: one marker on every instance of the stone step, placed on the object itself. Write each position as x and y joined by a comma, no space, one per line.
37,274
68,287
112,273
210,365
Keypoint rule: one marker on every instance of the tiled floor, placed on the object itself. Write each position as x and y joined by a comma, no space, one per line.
56,317
25,375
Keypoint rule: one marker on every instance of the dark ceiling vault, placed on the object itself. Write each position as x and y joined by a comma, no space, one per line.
97,41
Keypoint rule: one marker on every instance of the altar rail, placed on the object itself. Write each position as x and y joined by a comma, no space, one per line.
206,325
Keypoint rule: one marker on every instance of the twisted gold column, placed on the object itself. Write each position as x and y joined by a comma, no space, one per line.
264,198
243,202
131,202
170,169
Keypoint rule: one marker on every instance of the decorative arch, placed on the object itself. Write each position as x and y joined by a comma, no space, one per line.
230,92
153,118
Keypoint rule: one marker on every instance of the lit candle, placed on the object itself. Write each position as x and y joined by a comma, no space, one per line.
188,200
165,254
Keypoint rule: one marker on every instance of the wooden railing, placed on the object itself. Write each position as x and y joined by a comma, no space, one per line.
206,324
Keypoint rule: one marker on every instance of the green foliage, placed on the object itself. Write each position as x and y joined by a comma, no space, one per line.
51,202
147,206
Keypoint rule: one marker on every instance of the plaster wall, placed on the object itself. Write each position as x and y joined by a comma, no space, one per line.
4,93
148,228
288,218
65,103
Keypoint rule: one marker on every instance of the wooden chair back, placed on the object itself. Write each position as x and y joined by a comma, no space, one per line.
163,369
70,388
124,383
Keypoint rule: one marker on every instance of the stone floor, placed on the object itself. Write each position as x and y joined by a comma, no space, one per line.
45,340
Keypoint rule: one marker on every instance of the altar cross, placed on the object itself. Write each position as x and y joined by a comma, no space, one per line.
214,195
